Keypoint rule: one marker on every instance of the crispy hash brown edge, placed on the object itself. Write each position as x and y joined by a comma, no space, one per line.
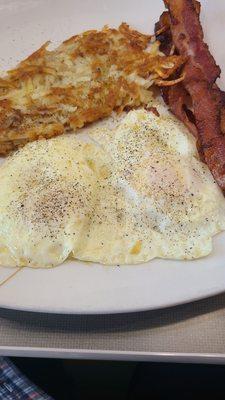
86,78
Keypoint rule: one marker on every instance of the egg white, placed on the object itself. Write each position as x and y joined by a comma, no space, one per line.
135,192
173,205
47,198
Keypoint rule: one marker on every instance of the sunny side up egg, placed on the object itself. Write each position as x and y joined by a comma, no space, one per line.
134,192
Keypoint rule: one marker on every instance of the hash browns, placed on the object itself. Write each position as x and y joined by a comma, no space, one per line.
83,80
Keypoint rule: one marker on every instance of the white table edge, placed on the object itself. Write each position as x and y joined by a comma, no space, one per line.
197,358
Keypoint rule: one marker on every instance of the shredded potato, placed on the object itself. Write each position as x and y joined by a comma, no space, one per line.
83,80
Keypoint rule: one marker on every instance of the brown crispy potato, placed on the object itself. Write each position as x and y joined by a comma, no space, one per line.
83,80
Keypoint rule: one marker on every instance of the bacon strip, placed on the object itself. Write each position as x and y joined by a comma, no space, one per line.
188,38
198,88
176,97
163,33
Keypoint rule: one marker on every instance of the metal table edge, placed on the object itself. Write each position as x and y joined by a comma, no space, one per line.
198,358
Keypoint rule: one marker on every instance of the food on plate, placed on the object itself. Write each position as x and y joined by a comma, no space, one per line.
52,192
83,80
134,186
197,101
131,190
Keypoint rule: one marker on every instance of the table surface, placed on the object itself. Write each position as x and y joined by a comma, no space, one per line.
188,333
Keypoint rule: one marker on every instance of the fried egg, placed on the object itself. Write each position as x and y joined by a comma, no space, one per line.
137,190
48,195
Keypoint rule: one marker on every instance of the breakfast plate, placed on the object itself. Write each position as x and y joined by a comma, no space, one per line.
83,287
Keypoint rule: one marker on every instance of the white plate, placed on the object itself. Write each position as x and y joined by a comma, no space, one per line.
83,288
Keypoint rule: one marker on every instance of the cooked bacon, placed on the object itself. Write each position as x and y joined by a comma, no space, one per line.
153,110
176,97
197,101
188,37
207,105
163,33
